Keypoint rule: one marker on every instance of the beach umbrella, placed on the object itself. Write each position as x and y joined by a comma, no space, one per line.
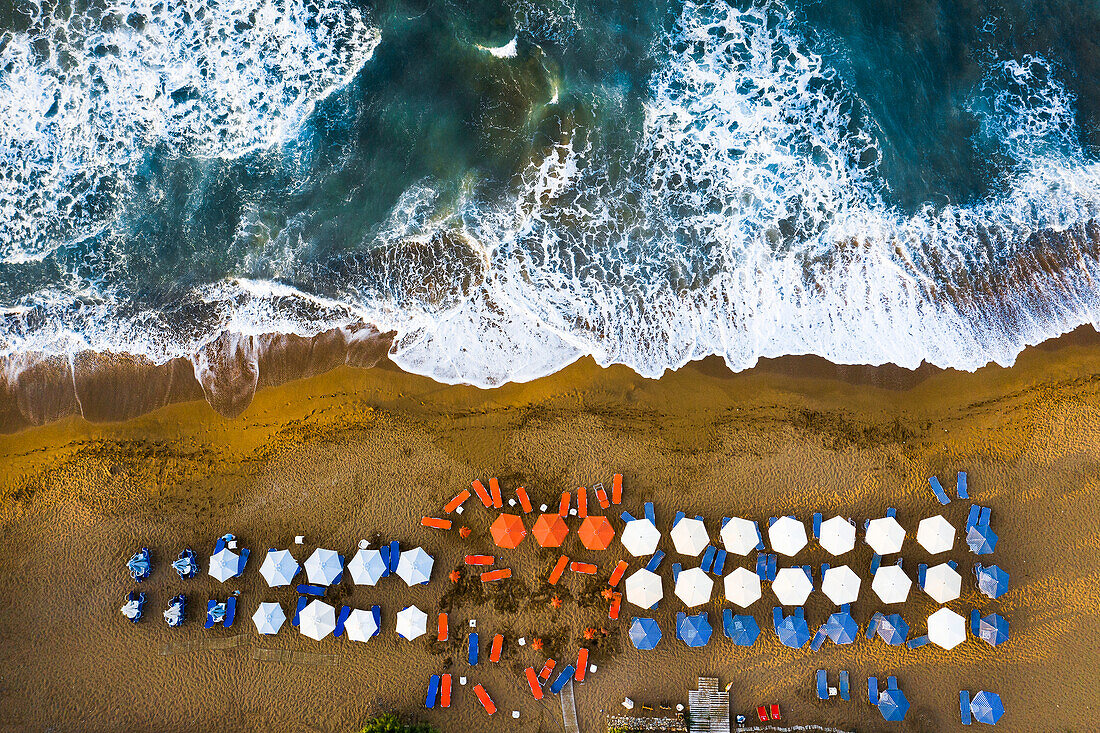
893,705
367,567
841,628
224,564
993,629
269,618
549,530
317,620
694,587
892,629
640,537
787,536
935,534
742,587
792,630
841,585
643,588
644,633
740,536
837,536
946,628
792,586
986,707
885,535
981,539
411,622
943,583
323,567
742,630
694,630
596,532
508,531
992,581
279,568
891,584
360,625
415,566
690,537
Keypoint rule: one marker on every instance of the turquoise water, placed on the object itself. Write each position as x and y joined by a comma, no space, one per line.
511,186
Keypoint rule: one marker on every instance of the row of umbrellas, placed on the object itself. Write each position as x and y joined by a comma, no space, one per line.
325,567
550,530
318,619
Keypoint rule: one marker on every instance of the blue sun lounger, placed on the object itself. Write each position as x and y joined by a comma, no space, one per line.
817,525
303,601
471,649
822,685
433,691
311,590
972,517
230,611
341,620
759,537
872,690
773,561
975,621
564,676
395,557
677,518
964,707
762,566
937,489
376,611
708,558
960,485
655,561
876,560
627,517
922,571
844,692
676,568
872,626
650,514
917,642
719,563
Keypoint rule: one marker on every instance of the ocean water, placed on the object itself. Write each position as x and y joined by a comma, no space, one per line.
513,185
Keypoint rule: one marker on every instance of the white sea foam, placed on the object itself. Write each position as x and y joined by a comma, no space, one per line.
506,51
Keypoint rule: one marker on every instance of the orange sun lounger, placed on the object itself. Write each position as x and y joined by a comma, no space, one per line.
441,631
486,701
456,502
480,559
445,692
482,494
582,665
436,523
494,491
555,574
601,496
524,502
617,575
617,488
613,610
496,575
583,567
582,502
498,644
547,669
533,681
563,507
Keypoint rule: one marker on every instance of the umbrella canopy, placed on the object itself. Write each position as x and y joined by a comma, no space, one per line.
892,629
742,587
992,581
360,625
793,631
986,707
596,532
640,537
739,536
792,586
415,566
323,566
269,618
993,629
893,705
841,628
367,567
694,587
279,568
946,628
317,620
693,630
837,536
841,585
742,630
411,622
224,564
643,588
891,584
508,531
981,540
787,536
690,537
885,535
943,583
935,534
549,530
644,633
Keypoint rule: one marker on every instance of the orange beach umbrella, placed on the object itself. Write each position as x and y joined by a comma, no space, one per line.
508,531
550,530
596,532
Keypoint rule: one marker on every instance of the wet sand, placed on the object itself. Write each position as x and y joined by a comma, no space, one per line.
366,452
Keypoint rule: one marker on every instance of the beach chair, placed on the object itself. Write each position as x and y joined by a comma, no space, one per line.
655,561
844,692
975,621
649,513
376,611
773,561
303,601
244,561
445,692
582,665
140,565
960,485
819,638
777,617
917,643
311,590
891,683
922,571
395,556
177,607
809,573
563,505
817,525
567,672
496,647
616,488
775,711
601,495
822,685
972,517
677,518
626,517
484,699
222,542
186,566
762,714
872,626
719,563
985,516
675,571
872,690
215,612
964,707
876,560
824,569
471,649
533,682
708,558
937,489
762,566
433,691
772,520
341,619
230,611
759,537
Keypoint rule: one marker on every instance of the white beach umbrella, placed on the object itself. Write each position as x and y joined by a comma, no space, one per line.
739,536
690,537
323,566
367,567
415,566
946,628
787,536
792,586
317,620
360,625
694,587
411,623
841,585
644,589
936,534
742,587
885,535
943,583
891,584
838,536
269,618
279,568
640,537
224,564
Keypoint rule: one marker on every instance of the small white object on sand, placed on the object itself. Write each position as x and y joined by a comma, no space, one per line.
522,641
591,668
363,544
679,707
300,539
572,512
459,510
232,544
515,713
628,703
461,680
511,502
473,623
542,508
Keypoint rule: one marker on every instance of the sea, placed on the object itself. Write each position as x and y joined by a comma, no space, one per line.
511,185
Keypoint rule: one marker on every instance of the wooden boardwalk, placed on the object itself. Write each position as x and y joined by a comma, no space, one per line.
709,708
569,709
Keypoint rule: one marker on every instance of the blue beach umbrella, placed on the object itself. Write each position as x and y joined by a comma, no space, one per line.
992,581
981,539
841,628
742,630
792,630
644,633
693,630
993,629
893,705
892,629
986,707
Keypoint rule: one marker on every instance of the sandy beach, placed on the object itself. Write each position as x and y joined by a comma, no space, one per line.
365,453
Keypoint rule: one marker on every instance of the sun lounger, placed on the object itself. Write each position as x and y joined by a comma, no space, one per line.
759,537
655,561
937,489
442,631
479,559
494,493
601,496
533,682
384,553
495,649
221,543
494,575
559,568
547,669
445,692
341,620
975,621
762,566
960,485
244,561
395,557
676,571
824,569
650,514
311,590
876,560
872,690
214,614
822,685
303,601
626,517
230,611
922,571
471,649
762,713
817,525
582,665
809,573
891,683
775,711
433,691
435,523
677,518
616,488
376,611
964,706
479,489
524,500
844,693
582,502
719,563
585,568
708,558
891,512
773,561
819,639
486,701
985,516
563,677
456,502
617,574
872,626
972,517
563,507
917,643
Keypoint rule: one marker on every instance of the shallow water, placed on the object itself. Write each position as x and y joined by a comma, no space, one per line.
510,186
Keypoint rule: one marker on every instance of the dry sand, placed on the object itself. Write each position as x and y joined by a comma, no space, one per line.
357,452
